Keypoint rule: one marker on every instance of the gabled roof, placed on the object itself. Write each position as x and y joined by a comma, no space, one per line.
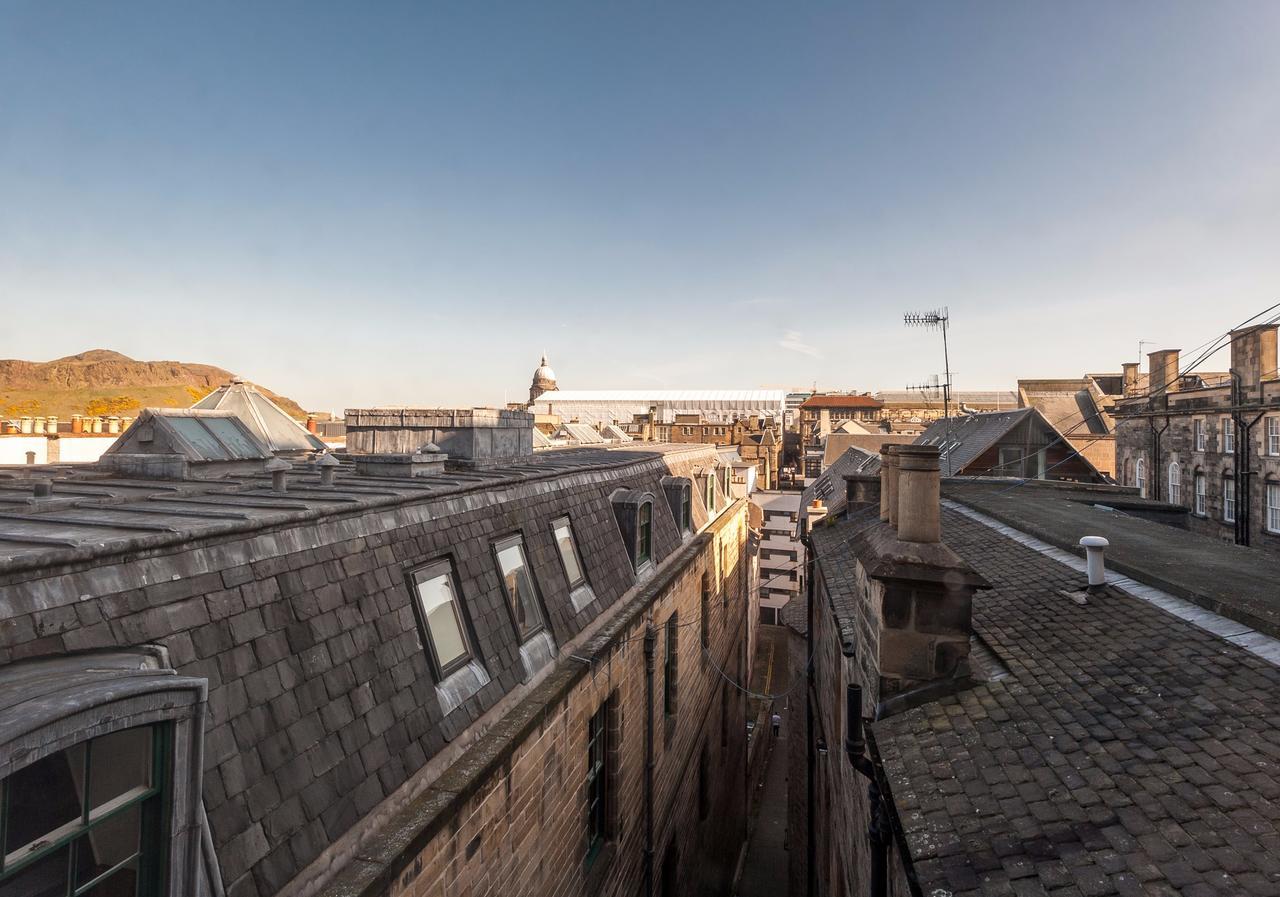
830,485
269,422
850,427
962,439
584,434
614,432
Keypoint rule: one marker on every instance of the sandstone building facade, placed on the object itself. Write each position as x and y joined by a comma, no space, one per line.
1210,444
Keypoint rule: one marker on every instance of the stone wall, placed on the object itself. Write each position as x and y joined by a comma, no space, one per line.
1176,443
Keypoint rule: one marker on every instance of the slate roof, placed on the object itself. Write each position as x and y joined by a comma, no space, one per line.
962,439
1128,751
830,485
94,512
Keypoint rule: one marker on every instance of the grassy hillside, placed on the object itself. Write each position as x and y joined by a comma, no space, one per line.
104,382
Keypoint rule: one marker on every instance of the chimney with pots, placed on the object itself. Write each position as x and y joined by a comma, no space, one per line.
918,594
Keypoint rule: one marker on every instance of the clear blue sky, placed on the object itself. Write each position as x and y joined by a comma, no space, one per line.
381,203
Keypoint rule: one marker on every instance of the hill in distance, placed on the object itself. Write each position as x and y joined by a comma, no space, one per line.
103,382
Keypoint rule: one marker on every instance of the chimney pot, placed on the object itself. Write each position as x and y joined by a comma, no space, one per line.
889,483
919,493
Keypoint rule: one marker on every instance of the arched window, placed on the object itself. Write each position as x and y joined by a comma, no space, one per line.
1175,483
1140,479
101,775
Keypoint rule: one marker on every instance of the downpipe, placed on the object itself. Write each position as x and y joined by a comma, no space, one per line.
878,829
650,641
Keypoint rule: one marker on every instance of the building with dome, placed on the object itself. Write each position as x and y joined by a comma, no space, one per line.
544,380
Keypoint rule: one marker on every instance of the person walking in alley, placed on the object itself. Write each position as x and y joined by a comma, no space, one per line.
776,722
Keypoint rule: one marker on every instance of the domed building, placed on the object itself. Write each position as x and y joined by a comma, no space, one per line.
544,380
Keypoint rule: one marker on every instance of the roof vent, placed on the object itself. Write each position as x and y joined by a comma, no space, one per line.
43,488
279,469
328,469
1094,548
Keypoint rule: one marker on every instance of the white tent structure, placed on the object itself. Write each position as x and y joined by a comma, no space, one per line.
606,406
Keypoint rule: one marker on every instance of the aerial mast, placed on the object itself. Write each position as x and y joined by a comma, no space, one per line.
938,318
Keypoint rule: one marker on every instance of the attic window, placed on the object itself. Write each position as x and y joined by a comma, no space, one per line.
522,594
439,615
94,808
679,493
634,512
572,563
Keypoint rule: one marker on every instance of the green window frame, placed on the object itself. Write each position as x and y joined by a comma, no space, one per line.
597,782
644,533
126,829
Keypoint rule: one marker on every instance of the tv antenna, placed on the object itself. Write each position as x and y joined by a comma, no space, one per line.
937,319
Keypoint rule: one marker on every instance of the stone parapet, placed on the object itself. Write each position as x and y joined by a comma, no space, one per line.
472,437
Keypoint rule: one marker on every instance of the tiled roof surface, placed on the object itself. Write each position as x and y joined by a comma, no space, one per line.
1129,752
830,485
964,438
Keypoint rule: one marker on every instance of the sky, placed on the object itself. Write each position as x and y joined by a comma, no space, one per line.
407,203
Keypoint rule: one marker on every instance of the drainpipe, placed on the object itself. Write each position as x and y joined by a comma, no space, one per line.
878,832
650,640
1244,461
811,845
1154,477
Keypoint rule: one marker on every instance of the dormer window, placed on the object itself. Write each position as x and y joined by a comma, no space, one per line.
633,510
679,492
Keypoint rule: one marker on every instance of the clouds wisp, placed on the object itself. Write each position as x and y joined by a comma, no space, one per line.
792,341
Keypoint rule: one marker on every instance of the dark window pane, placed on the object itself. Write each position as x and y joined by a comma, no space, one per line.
119,764
43,798
107,845
46,877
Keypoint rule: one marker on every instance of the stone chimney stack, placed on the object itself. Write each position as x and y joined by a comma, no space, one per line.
1253,359
917,594
1164,375
919,493
1130,369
